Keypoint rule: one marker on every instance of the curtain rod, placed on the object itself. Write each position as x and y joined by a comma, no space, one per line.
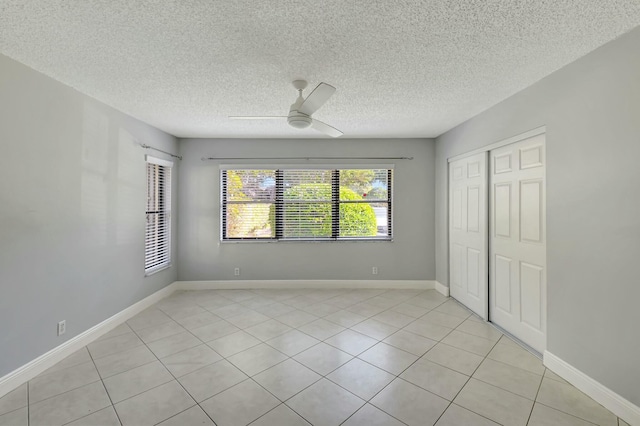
306,158
159,150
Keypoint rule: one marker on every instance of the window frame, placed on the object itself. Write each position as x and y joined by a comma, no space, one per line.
160,239
335,203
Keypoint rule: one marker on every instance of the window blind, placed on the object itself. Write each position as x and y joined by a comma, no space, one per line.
306,204
158,216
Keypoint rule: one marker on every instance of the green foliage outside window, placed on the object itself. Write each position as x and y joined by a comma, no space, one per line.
356,219
247,218
304,219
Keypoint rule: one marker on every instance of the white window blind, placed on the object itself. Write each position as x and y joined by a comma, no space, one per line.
248,204
306,208
306,204
158,230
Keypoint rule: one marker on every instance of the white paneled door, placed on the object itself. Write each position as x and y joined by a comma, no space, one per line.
517,254
468,253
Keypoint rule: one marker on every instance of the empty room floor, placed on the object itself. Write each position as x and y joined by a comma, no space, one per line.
298,357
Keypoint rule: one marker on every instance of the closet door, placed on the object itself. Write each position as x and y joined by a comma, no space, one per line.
468,253
517,260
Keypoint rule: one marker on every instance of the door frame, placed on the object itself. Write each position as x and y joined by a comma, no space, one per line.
526,135
486,149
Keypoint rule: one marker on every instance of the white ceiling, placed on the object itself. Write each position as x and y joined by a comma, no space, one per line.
403,68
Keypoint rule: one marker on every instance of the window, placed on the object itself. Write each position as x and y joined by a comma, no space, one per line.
306,204
157,242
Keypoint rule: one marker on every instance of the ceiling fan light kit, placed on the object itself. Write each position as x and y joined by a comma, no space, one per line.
299,121
301,110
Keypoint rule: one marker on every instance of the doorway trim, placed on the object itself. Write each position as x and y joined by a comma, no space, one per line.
522,136
542,130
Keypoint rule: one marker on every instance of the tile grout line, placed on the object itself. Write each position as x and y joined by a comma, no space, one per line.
368,401
61,393
16,409
377,408
281,402
261,416
519,368
322,376
536,397
28,406
248,377
174,378
186,409
326,378
260,385
398,376
104,387
571,415
466,382
331,381
506,390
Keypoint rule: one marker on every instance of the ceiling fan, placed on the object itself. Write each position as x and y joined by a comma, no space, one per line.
302,109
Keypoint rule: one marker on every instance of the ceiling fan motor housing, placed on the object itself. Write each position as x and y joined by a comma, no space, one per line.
298,120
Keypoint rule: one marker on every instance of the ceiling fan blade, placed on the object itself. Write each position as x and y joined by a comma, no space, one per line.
325,128
259,117
317,98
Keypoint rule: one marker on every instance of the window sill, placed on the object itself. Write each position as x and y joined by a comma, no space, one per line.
294,241
155,270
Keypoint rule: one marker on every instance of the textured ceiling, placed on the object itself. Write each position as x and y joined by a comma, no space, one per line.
403,68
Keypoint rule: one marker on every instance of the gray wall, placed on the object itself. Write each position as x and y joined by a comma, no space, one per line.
72,200
591,110
409,257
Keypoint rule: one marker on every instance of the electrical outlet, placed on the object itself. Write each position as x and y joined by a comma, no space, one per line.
374,270
236,272
62,327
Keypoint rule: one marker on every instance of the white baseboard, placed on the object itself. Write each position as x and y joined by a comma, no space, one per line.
57,354
613,402
318,284
441,288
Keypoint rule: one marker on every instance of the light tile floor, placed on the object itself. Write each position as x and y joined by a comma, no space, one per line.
299,357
